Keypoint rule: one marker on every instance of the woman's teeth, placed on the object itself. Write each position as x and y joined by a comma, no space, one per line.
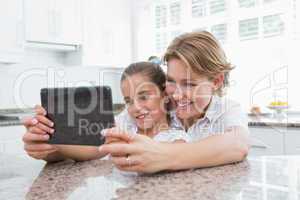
183,104
141,116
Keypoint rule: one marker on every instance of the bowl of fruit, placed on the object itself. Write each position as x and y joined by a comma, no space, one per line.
278,107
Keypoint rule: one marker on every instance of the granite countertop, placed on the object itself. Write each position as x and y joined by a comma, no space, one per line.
267,119
268,178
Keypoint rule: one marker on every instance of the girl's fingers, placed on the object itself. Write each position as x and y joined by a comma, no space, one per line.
36,130
44,120
45,128
29,121
39,147
32,137
115,133
117,149
39,110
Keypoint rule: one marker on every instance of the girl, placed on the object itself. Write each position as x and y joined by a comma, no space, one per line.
196,77
143,88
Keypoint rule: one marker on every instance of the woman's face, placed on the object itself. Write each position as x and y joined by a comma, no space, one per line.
144,100
190,91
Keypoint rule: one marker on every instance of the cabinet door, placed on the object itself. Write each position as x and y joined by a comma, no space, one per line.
292,141
68,20
266,141
11,30
39,24
53,21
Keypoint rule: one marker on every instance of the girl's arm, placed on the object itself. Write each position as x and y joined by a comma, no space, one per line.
79,153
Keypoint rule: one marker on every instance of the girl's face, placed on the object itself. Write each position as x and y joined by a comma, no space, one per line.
190,91
144,100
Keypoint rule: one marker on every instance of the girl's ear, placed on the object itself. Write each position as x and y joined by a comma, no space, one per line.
218,81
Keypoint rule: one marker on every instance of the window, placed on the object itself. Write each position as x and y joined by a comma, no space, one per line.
273,25
175,11
217,6
219,31
161,42
248,28
161,16
198,8
269,1
247,3
175,33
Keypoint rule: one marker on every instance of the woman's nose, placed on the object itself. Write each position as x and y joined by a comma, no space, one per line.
178,94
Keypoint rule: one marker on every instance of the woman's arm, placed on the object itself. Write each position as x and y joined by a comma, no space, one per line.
233,146
149,156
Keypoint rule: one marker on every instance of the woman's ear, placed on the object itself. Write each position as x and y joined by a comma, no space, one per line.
218,81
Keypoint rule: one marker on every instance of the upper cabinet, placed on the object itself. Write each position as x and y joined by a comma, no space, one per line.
11,31
107,33
53,22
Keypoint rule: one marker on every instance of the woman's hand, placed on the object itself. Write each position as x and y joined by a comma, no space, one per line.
36,136
136,152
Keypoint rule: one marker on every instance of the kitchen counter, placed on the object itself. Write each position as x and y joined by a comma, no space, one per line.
291,120
268,178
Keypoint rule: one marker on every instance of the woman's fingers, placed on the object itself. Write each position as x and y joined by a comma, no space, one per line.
125,160
30,137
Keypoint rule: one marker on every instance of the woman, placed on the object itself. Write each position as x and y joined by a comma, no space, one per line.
196,78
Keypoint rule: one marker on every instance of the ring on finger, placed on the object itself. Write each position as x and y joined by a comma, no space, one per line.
128,160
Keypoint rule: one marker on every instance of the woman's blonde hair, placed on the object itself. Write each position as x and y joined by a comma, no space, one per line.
202,53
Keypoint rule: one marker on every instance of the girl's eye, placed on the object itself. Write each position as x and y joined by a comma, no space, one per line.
143,97
128,102
189,84
170,82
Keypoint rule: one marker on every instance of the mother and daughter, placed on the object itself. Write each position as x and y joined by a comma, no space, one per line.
179,120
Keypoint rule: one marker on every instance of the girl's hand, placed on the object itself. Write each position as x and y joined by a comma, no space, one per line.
36,136
137,153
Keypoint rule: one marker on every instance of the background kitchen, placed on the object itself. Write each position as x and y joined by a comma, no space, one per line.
55,43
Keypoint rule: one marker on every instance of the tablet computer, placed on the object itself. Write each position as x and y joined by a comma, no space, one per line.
79,114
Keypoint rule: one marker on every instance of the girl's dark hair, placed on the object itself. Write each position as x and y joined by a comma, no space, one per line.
153,71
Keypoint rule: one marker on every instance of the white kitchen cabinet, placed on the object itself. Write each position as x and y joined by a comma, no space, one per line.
57,22
267,141
107,33
11,31
292,141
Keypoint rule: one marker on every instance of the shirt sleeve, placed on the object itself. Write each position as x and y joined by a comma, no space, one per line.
235,116
125,123
171,136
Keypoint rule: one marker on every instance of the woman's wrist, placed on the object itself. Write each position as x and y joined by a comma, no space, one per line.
172,156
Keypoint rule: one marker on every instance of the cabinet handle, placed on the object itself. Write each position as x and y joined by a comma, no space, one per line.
259,146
